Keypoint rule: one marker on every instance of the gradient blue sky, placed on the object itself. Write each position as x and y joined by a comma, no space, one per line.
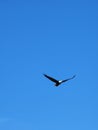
56,37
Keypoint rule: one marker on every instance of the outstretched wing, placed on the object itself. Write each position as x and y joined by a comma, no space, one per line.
69,79
52,79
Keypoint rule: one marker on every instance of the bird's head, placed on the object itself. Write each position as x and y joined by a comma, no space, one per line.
60,81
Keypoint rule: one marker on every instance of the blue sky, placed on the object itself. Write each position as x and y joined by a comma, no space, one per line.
56,37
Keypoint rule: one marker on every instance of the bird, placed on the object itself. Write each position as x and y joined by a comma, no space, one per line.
58,82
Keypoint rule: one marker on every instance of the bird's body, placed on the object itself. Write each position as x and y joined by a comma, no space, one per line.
57,82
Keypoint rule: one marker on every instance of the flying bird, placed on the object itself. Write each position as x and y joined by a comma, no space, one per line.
58,82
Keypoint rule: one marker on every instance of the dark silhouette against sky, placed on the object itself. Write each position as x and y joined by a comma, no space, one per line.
58,82
59,37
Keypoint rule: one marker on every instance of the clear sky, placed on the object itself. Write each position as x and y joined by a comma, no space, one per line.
58,38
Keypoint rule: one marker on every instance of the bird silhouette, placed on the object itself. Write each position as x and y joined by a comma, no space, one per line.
58,82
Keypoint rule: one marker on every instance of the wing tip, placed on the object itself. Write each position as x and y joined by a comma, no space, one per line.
74,76
44,74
